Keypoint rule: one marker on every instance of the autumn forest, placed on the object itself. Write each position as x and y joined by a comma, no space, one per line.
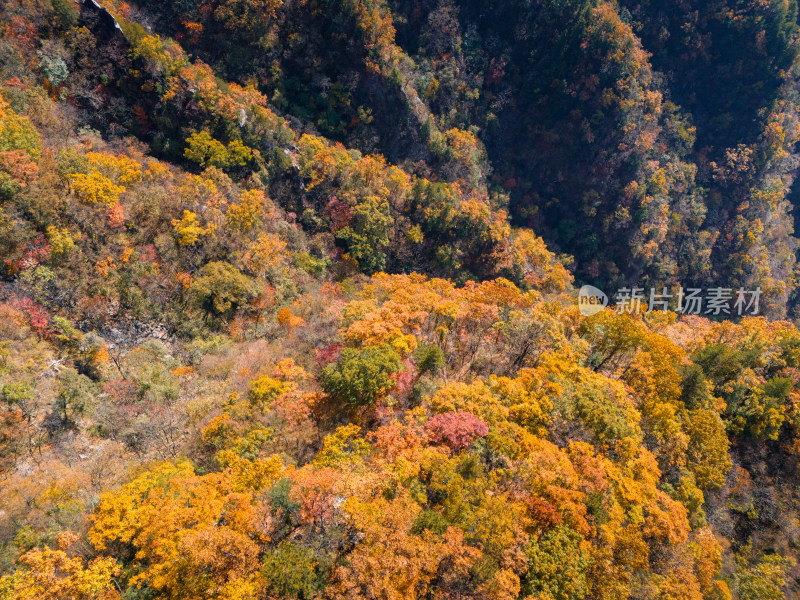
289,300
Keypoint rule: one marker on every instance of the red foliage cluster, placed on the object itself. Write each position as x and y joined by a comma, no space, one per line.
36,252
148,253
543,512
456,429
19,165
340,214
23,31
329,354
115,215
404,380
38,317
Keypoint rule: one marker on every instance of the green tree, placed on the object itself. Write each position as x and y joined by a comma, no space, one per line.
557,564
221,289
763,580
367,238
16,393
76,390
66,13
206,151
362,376
430,358
293,571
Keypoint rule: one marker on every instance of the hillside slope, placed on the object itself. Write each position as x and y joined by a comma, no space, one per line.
274,322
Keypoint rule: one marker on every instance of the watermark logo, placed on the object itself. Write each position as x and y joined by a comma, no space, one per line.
591,300
716,301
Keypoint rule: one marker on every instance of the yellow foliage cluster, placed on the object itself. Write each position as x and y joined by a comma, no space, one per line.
188,230
174,519
265,253
61,240
95,188
49,574
120,168
244,215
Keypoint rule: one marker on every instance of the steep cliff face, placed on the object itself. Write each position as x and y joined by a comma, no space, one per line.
591,130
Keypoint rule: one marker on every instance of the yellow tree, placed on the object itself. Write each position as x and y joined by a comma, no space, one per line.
194,535
49,574
95,188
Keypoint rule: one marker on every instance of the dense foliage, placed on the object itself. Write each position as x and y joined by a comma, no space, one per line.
275,320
